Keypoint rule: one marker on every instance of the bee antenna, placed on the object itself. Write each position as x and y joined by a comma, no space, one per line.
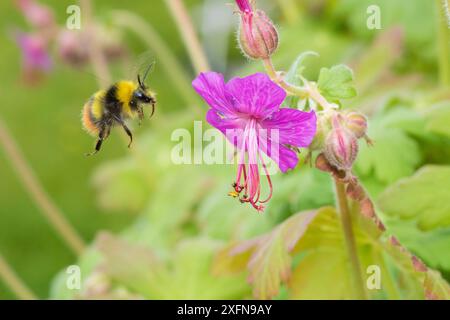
139,80
150,66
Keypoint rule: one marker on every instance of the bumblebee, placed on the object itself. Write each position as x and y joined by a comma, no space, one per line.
113,106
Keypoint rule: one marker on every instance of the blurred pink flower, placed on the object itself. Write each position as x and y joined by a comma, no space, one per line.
72,47
247,111
35,57
38,15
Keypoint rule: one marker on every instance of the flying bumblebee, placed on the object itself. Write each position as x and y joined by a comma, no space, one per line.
107,108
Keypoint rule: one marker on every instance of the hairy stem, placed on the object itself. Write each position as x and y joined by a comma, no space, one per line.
443,7
350,242
308,91
15,284
42,200
188,34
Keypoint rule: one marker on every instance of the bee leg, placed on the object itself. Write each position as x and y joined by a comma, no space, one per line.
98,145
153,108
127,130
130,135
141,115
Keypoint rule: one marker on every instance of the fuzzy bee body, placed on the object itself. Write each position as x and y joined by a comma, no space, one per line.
111,107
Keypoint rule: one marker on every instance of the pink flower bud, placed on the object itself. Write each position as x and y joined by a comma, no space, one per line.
356,123
341,147
258,37
38,15
72,47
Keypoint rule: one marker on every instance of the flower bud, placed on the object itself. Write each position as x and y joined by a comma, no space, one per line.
72,47
341,147
38,15
258,37
356,123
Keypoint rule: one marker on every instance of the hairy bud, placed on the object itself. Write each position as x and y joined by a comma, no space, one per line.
258,37
341,147
356,123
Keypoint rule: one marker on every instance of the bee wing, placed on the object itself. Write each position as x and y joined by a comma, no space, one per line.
144,64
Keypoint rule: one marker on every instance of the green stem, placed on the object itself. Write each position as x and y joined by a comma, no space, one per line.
188,34
308,91
350,243
42,200
170,63
443,7
15,284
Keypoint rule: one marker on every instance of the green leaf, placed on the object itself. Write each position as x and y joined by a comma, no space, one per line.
423,197
336,83
308,254
115,179
430,245
393,155
403,13
182,273
269,261
294,76
438,119
322,242
415,275
87,263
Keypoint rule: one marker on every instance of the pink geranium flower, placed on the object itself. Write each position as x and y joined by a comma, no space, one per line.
247,110
38,15
34,55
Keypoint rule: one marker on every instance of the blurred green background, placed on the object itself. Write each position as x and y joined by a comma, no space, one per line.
397,75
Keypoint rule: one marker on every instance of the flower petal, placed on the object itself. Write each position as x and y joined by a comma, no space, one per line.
211,86
256,95
231,128
34,51
244,5
295,127
284,157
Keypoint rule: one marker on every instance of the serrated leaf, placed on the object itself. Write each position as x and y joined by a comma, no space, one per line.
393,155
317,266
435,287
423,197
336,83
430,245
415,275
402,13
269,262
184,273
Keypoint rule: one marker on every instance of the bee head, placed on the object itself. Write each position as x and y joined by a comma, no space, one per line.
143,95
